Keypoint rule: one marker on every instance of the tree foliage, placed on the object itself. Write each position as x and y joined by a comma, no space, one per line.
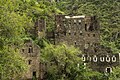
12,65
63,63
12,32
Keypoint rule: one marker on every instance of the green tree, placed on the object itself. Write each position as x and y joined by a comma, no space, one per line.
12,65
12,32
63,63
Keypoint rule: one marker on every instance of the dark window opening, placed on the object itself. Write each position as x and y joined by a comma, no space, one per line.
93,35
85,27
108,70
75,43
79,23
30,50
113,58
107,58
34,75
88,35
23,50
29,62
60,25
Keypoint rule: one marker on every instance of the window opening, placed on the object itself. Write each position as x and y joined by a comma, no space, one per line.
30,50
85,27
29,62
34,75
107,59
95,58
60,25
114,59
93,35
102,59
75,43
108,69
23,50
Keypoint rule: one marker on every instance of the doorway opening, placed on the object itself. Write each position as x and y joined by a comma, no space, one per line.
34,75
108,69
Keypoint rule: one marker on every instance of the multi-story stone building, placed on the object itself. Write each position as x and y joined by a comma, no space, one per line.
31,53
81,31
84,32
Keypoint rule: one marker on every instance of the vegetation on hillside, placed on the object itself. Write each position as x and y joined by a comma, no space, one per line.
18,16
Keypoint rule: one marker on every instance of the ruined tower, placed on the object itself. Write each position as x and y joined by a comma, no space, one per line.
39,28
31,52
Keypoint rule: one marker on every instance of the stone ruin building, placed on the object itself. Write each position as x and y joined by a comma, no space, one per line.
84,33
31,53
81,31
